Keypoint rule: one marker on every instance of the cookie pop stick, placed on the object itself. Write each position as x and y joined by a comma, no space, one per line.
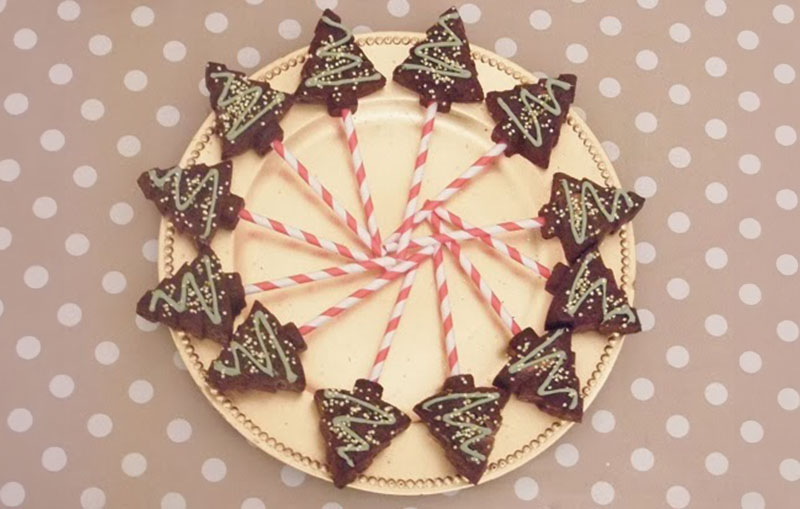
445,313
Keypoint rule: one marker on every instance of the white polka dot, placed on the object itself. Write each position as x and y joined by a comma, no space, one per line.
134,464
36,277
643,389
786,199
140,391
61,386
99,425
750,164
216,23
716,393
750,294
603,421
92,109
129,145
20,420
680,33
150,250
470,13
716,7
789,399
783,14
526,488
143,16
716,67
753,500
786,265
248,57
610,26
5,238
84,176
93,498
716,463
609,87
52,140
135,80
716,193
114,282
747,39
121,213
749,101
168,116
716,325
69,314
179,430
25,38
174,51
9,170
788,331
69,10
679,222
28,347
647,60
214,470
327,4
677,356
177,361
751,431
642,459
750,362
173,500
716,129
785,135
645,252
540,19
255,503
611,149
145,325
790,469
292,477
784,73
750,228
602,493
646,122
678,288
647,318
505,46
398,8
567,455
77,244
647,4
362,29
679,497
201,85
100,45
12,494
679,94
106,353
16,103
54,459
289,29
44,207
677,426
577,53
60,74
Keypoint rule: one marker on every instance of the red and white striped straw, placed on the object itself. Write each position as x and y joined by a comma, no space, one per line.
418,175
303,236
392,324
472,233
500,246
384,262
323,192
365,291
478,167
443,295
361,179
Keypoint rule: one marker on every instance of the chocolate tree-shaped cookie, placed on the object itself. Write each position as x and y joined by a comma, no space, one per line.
261,355
440,68
356,425
337,72
580,213
196,199
541,370
464,420
199,299
247,111
586,297
529,117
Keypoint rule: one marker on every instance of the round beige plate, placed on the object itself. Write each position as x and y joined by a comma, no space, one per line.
284,425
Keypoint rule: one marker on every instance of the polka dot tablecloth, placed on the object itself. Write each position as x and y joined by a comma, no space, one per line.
697,104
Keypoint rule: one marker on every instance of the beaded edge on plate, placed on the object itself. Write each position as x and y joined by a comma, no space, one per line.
260,435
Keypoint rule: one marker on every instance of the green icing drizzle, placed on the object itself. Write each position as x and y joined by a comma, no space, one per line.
343,422
245,98
262,361
530,103
559,357
336,50
176,173
475,432
575,301
189,283
436,65
579,222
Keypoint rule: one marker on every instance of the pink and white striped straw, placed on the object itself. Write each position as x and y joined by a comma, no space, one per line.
303,236
325,195
443,295
365,291
470,234
419,173
500,246
384,262
361,179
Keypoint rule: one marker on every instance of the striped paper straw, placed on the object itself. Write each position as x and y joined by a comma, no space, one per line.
472,233
443,295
